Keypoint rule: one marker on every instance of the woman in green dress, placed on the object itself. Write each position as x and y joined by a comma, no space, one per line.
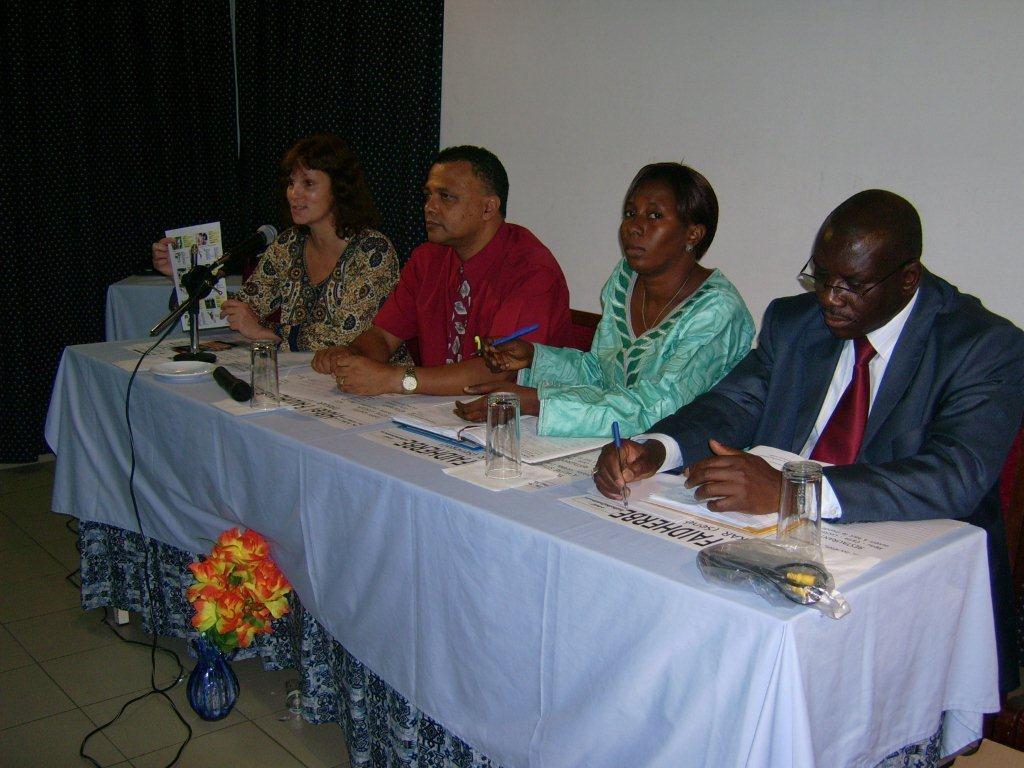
670,328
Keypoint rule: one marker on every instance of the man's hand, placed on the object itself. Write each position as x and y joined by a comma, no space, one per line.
510,356
162,255
744,482
359,375
639,460
325,359
476,410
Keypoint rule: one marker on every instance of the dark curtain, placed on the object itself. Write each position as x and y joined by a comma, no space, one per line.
369,72
118,122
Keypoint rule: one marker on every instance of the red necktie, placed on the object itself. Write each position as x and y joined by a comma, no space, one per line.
840,441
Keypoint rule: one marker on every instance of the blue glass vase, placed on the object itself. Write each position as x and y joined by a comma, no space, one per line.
212,686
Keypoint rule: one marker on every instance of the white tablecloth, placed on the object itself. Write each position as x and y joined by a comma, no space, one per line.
137,303
540,634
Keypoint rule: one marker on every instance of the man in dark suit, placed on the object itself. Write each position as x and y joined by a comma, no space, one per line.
913,390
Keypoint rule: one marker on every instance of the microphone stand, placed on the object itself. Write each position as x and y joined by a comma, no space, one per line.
198,282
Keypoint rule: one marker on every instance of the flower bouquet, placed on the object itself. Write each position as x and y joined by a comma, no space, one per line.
237,592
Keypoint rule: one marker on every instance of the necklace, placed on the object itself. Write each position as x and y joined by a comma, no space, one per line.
665,306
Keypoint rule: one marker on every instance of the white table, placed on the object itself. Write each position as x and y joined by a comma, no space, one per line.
137,303
540,634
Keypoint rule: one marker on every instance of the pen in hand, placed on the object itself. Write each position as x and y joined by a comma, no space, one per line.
617,437
516,335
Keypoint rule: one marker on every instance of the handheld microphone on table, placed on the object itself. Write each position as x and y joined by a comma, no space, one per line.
234,386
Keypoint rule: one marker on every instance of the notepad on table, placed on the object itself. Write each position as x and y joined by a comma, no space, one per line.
673,494
440,420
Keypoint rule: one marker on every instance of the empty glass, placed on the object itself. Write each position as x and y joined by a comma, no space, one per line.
266,394
502,453
800,509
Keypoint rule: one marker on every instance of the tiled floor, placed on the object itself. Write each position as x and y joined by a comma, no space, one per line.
63,672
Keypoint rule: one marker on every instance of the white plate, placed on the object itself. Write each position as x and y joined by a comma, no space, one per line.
182,369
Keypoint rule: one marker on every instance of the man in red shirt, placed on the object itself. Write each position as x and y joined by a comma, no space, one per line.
477,275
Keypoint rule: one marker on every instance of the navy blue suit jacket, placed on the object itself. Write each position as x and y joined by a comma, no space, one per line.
942,422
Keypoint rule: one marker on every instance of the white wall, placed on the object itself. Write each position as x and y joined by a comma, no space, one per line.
787,107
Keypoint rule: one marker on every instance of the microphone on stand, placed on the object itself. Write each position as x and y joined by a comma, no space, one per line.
199,281
234,386
254,244
248,248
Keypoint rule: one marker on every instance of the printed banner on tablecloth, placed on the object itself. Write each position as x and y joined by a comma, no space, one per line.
849,549
423,447
688,530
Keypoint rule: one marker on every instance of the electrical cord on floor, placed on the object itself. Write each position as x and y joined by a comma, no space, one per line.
153,647
105,621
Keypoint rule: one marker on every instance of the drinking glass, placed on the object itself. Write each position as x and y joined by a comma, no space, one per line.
502,453
266,394
800,509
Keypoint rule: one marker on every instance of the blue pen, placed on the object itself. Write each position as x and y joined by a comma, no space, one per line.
516,335
617,437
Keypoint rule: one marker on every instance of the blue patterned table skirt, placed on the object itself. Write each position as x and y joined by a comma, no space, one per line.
381,727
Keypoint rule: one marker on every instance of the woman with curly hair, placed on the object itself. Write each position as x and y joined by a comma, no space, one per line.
330,272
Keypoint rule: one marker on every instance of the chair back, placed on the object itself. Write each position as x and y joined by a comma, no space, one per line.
584,325
1007,725
1011,497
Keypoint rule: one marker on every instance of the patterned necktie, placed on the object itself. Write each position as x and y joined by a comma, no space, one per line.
459,320
840,440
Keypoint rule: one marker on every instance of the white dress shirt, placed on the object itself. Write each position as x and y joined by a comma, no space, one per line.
884,342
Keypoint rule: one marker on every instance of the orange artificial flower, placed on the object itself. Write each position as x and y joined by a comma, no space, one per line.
205,616
238,590
229,611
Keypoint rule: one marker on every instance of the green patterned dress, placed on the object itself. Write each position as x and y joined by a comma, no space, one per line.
638,380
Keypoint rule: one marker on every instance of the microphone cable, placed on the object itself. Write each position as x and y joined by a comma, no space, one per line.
147,545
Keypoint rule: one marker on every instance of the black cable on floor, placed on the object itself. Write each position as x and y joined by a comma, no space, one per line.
154,688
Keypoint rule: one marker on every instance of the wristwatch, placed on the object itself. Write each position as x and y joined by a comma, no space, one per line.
409,380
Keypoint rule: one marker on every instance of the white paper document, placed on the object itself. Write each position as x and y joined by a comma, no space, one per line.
317,395
203,242
474,473
566,470
236,408
534,449
670,491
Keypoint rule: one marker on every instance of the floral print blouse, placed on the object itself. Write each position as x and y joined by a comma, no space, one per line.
336,310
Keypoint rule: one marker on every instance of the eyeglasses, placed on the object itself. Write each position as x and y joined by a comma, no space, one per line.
813,282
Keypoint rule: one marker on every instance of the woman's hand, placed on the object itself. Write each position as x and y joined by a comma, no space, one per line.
510,356
162,255
241,318
476,410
